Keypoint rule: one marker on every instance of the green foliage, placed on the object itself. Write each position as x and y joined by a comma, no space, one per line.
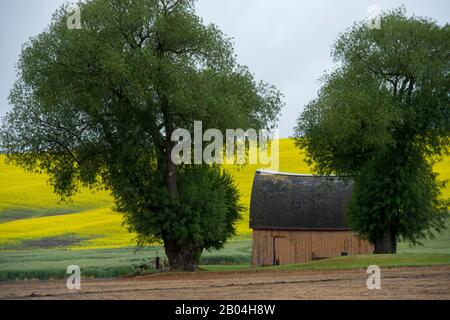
383,118
205,213
405,199
97,107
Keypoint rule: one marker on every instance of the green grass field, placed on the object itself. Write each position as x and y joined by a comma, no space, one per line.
46,264
352,262
40,237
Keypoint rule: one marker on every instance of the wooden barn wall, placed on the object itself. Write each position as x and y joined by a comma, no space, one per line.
301,246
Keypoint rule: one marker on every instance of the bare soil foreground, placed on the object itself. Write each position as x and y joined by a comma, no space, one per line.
396,283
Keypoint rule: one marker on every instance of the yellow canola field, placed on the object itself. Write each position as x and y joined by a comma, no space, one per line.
30,211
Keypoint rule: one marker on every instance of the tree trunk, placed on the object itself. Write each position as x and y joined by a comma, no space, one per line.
171,174
386,243
171,178
182,257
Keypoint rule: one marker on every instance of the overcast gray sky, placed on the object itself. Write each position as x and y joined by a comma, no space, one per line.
284,42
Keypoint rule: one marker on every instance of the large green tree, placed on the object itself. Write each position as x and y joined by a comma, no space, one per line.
97,107
382,117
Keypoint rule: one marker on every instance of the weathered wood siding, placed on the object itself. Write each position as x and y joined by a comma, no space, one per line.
286,247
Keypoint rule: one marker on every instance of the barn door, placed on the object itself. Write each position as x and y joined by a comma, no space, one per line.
283,251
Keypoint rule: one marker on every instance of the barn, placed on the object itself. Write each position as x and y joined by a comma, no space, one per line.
298,218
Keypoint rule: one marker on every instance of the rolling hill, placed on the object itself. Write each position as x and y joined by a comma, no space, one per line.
31,216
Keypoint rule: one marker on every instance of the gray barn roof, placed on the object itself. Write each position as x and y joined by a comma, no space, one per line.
298,202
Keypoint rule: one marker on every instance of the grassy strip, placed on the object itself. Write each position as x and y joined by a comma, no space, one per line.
106,263
350,262
103,263
363,261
